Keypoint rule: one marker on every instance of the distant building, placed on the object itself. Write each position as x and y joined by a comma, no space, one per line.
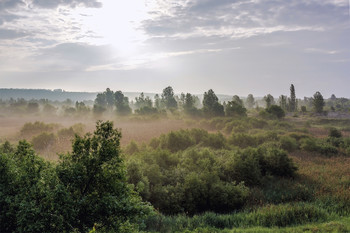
58,90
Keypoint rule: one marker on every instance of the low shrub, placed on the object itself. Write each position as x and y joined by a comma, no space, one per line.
269,216
131,148
276,162
334,133
36,128
318,146
309,144
288,143
66,133
244,167
243,140
277,190
43,141
285,215
175,141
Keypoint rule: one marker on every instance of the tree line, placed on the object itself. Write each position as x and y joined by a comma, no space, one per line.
109,101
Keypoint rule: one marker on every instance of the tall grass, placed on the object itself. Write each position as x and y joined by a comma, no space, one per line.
268,216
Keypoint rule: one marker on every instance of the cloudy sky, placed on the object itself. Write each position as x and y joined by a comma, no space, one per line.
232,46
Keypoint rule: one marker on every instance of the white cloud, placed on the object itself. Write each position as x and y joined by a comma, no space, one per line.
322,51
51,4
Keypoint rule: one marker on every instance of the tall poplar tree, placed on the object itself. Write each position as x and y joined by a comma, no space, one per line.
292,100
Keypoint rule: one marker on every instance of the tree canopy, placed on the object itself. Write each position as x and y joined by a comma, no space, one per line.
318,102
211,105
168,98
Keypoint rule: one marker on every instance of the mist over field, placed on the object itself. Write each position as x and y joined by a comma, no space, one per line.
174,116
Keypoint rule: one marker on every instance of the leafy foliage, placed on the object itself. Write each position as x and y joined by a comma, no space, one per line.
318,102
211,105
86,188
177,175
168,98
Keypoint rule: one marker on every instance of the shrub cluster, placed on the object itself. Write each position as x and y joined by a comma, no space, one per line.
183,139
36,128
196,180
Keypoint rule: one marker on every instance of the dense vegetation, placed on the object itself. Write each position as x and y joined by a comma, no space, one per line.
237,167
86,188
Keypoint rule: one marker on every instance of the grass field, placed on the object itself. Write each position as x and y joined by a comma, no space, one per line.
316,199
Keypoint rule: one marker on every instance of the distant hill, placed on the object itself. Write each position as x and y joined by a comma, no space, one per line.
61,95
58,94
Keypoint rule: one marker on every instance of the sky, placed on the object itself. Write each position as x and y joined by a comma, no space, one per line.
234,47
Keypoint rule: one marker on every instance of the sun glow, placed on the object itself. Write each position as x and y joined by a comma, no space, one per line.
116,24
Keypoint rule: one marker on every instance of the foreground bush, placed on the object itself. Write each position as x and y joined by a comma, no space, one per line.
86,188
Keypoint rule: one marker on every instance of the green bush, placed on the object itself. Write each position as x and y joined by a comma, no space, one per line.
43,141
175,141
276,162
258,123
268,136
276,111
6,148
286,215
319,146
243,140
199,135
327,149
36,128
146,110
154,143
215,141
309,144
298,136
131,148
288,143
272,112
334,133
244,167
66,133
277,190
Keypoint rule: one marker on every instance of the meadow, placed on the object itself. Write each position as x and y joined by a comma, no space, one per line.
179,171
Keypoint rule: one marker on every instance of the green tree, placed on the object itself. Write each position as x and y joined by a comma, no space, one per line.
81,107
32,107
283,102
49,109
333,97
143,101
100,104
235,107
276,111
122,103
250,102
168,98
95,178
110,100
292,100
211,105
269,100
157,102
188,102
318,102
